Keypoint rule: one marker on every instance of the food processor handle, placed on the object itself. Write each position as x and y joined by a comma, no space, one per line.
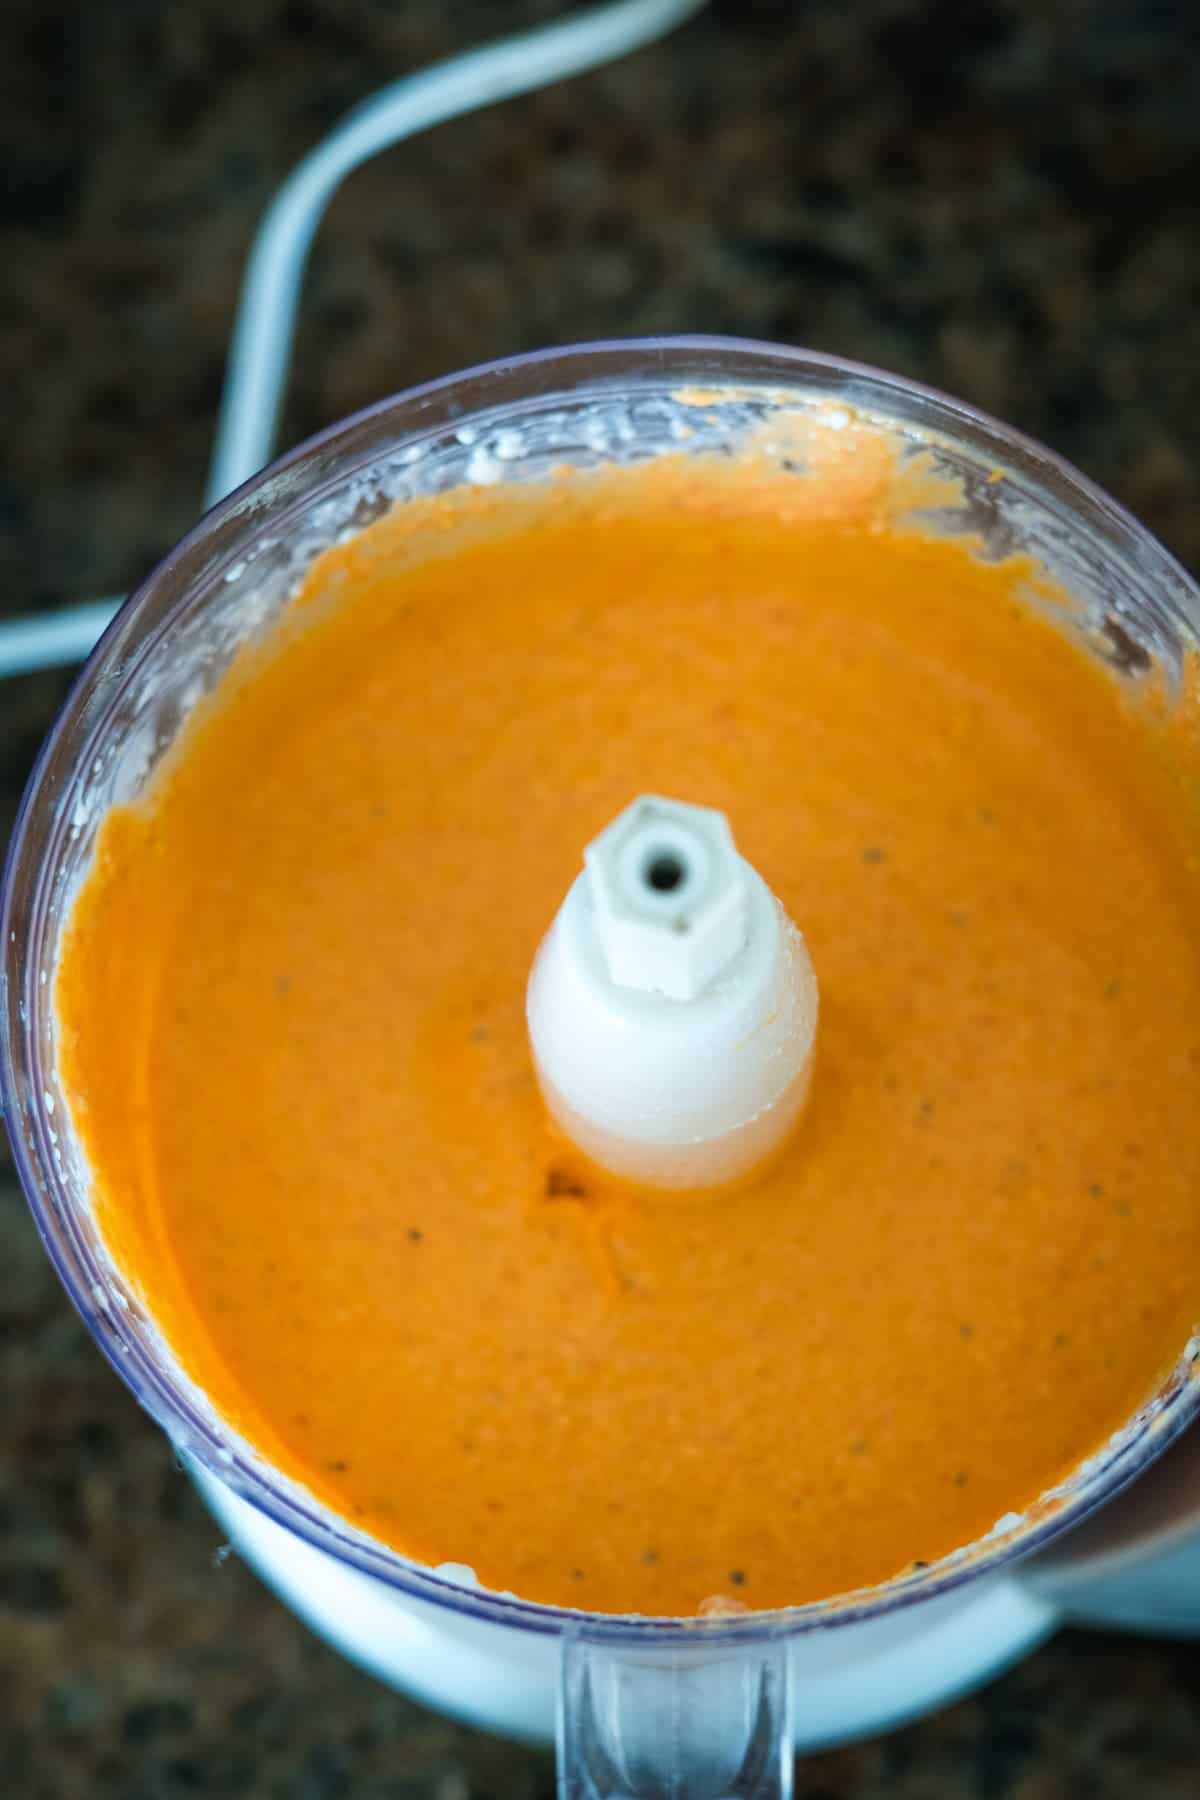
1157,1595
1134,1566
711,1722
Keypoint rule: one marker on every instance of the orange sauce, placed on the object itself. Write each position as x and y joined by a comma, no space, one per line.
291,996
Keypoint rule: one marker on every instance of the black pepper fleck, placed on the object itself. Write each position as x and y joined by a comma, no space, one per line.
563,1184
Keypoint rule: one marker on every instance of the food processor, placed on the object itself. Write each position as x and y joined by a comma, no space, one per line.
713,1706
638,1701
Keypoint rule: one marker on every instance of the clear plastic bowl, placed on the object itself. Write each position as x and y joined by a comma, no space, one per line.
227,581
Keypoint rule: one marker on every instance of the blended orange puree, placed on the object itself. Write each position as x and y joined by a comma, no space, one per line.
291,996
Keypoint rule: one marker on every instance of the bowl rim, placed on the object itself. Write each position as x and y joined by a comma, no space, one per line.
736,364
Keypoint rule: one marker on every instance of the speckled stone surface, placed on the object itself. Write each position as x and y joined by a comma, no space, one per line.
998,197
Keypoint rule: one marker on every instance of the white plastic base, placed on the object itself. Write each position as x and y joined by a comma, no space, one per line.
851,1681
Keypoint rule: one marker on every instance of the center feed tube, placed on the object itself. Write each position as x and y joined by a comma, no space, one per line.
672,1006
709,1722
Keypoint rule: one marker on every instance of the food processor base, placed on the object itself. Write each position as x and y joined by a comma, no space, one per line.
850,1681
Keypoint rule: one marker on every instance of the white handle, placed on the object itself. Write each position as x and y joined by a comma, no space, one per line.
1136,1565
1157,1595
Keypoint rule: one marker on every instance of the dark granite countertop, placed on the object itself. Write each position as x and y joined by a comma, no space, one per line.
998,197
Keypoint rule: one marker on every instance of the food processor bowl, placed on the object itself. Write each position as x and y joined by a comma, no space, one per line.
643,1705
